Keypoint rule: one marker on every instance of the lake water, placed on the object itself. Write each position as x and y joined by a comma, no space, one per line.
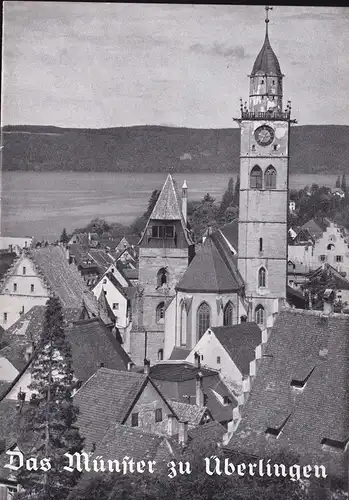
40,204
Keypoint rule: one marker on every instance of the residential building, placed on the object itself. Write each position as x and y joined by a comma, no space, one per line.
289,408
117,298
230,350
37,274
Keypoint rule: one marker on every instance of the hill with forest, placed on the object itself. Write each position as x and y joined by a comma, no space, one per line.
313,149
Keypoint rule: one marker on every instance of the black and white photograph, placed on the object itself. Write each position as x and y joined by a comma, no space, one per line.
174,251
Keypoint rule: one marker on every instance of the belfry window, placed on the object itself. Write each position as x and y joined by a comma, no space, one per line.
259,315
162,277
228,314
160,312
203,318
270,178
256,178
261,277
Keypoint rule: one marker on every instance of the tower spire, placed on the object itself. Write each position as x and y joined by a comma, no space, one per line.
267,9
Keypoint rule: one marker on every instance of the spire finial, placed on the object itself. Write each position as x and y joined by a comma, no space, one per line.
267,9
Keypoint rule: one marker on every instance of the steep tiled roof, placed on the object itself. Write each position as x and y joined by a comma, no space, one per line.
212,431
328,271
266,62
317,226
122,440
240,342
63,279
213,269
179,353
295,297
192,414
106,397
168,207
102,259
178,372
302,390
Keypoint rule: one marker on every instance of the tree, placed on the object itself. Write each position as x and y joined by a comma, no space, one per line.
64,237
236,197
338,182
344,183
227,199
204,216
51,417
139,224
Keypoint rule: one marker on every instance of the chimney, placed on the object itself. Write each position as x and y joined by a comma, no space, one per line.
200,399
197,359
146,366
185,201
183,433
171,425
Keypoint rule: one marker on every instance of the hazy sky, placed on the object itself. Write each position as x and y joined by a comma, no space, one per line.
104,65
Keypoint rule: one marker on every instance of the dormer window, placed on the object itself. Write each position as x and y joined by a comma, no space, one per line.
276,431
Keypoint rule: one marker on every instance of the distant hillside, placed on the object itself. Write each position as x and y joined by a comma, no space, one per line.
314,149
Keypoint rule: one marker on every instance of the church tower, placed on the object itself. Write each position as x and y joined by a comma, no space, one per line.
165,250
264,161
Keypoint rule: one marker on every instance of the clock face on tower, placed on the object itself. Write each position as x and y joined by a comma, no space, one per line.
264,135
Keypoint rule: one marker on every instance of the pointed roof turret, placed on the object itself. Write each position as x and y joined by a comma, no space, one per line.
167,206
266,62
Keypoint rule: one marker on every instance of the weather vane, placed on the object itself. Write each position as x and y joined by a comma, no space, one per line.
267,9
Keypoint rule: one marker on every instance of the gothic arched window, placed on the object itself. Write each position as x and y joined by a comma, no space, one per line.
259,315
160,312
256,178
228,314
270,178
162,277
203,318
183,324
262,277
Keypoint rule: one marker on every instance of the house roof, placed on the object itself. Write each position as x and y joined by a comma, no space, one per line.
302,389
168,207
212,431
266,62
177,381
179,353
106,397
328,271
213,269
62,279
295,297
231,232
101,258
130,274
178,372
240,342
122,440
317,226
192,414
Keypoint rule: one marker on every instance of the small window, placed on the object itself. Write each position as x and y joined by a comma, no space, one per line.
24,270
262,81
253,147
104,281
116,305
134,420
330,246
218,360
339,258
261,278
226,400
275,147
105,292
15,287
5,317
261,244
160,312
273,82
322,258
158,415
202,357
32,288
169,231
259,315
160,354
